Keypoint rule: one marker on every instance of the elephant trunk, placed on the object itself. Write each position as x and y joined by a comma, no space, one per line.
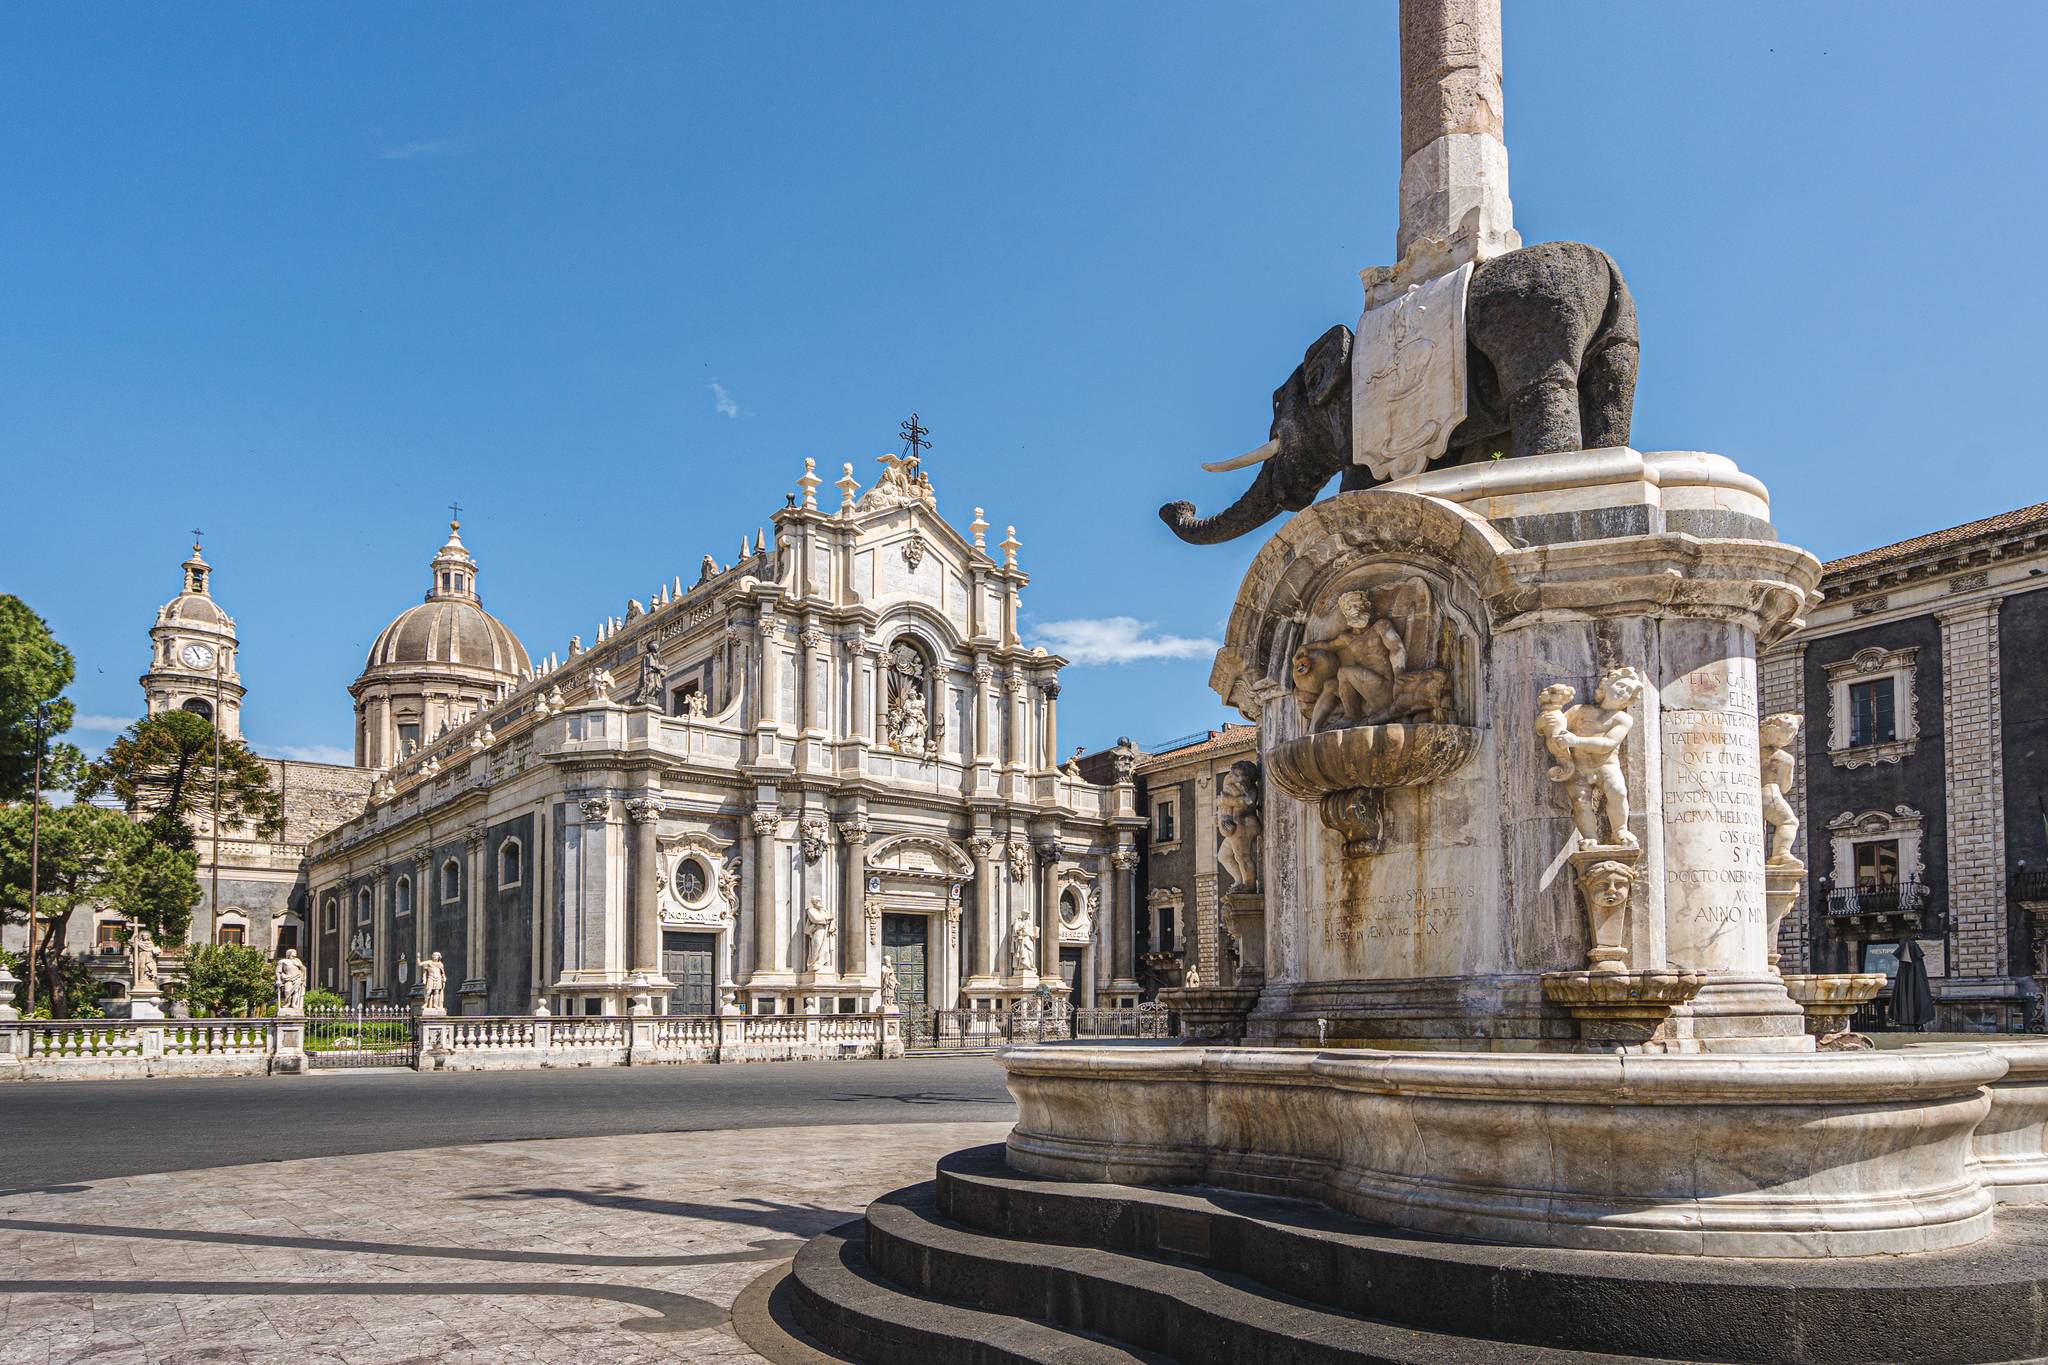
1258,505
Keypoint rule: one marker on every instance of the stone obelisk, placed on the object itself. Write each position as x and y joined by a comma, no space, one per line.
1454,163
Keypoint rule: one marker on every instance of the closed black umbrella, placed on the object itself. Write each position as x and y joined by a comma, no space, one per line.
1912,998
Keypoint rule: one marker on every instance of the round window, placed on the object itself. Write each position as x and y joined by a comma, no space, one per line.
1070,908
693,881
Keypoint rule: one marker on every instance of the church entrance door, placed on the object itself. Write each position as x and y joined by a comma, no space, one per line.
690,961
905,938
1070,972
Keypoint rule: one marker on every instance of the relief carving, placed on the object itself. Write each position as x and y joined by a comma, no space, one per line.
1384,662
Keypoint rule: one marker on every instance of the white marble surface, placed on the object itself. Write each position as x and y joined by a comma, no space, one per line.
1837,1154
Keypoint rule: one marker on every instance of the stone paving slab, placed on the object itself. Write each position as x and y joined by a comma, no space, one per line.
620,1249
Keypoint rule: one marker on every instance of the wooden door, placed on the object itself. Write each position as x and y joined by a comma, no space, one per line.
690,962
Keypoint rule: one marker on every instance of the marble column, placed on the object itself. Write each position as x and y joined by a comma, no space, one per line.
382,949
769,716
1120,914
768,959
984,715
1046,853
981,933
474,980
1052,727
424,895
811,647
645,813
853,920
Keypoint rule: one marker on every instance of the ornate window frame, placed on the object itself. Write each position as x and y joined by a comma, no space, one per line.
716,907
451,880
1902,823
1172,901
1169,803
1871,665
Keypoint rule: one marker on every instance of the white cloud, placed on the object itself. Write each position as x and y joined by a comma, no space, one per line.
1116,640
101,725
311,753
723,401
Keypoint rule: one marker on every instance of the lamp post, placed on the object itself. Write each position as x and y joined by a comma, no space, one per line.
213,904
35,850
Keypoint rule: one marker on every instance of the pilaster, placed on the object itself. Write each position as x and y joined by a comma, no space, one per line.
1974,759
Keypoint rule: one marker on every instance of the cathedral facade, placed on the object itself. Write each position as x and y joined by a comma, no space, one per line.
829,760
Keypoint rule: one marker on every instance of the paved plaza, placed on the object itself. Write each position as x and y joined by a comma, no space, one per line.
621,1246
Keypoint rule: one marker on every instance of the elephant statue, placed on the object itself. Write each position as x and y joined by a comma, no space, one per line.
1550,335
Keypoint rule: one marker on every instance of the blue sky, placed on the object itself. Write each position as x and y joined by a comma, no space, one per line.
302,275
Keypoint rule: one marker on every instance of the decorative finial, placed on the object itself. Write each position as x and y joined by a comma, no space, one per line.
1009,547
848,486
809,483
979,527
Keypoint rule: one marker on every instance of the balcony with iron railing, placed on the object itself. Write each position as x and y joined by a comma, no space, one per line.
1886,898
2030,883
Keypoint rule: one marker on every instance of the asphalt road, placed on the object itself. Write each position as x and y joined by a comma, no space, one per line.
63,1132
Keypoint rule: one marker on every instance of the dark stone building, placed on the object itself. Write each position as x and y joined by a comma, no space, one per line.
1924,813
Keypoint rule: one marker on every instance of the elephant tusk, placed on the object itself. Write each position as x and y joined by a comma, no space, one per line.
1246,460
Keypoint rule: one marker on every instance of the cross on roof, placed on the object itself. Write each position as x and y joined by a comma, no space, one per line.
455,511
913,434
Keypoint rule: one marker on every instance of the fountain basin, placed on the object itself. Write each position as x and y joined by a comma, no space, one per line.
1371,756
1787,1154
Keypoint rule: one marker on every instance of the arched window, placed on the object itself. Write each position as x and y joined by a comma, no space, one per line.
451,880
401,897
231,931
909,718
330,917
511,862
199,706
363,906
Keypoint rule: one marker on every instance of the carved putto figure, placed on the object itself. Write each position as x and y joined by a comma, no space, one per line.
601,683
901,484
696,705
433,984
1239,821
291,983
1072,767
1023,946
1383,665
817,936
1777,764
142,960
1587,738
1192,980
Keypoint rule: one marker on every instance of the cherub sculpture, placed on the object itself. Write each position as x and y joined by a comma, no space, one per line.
1372,671
1587,738
1774,740
1240,822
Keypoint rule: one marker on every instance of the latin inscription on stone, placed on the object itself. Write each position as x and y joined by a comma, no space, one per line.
1713,835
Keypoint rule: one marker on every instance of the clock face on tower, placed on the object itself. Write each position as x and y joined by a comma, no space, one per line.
196,656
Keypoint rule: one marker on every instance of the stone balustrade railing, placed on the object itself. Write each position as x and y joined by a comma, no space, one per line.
113,1048
98,1049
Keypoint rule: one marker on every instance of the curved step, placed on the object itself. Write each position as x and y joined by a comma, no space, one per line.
1979,1303
1193,1315
849,1308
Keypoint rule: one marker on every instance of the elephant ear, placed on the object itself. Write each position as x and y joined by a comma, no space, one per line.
1326,368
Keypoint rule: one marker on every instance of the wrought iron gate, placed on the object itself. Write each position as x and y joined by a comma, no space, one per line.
370,1035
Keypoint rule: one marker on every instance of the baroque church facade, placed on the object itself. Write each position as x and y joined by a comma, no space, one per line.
831,758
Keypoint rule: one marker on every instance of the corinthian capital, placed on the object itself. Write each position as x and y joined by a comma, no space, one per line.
642,809
764,819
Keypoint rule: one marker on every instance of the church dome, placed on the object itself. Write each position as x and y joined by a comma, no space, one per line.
451,625
449,632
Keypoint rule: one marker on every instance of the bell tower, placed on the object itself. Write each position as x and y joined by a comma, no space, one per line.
192,654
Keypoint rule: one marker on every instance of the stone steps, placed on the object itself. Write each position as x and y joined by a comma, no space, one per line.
1203,1276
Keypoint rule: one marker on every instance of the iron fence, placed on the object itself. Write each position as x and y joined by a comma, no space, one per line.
368,1035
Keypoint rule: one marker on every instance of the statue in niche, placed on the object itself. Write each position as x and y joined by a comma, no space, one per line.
142,961
291,983
1023,946
817,936
1387,663
907,723
651,689
1775,738
1239,821
433,984
1587,740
